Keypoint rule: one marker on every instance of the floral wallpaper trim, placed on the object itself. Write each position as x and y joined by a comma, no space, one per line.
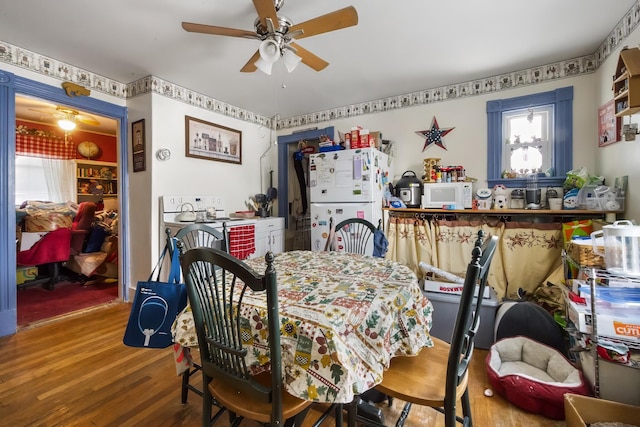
569,68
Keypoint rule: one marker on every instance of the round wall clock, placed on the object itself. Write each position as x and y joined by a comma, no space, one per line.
88,149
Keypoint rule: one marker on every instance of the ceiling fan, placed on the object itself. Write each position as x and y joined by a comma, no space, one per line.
277,34
67,118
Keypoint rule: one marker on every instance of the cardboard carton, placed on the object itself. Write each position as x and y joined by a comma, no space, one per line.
581,411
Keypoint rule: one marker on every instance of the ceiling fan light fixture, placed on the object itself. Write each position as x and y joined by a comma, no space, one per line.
269,55
67,124
264,66
291,60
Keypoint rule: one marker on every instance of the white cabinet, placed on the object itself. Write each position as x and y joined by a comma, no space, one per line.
269,236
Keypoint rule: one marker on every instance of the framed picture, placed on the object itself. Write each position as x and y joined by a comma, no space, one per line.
210,141
608,125
138,145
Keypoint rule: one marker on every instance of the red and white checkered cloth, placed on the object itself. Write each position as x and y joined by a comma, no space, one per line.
51,148
242,241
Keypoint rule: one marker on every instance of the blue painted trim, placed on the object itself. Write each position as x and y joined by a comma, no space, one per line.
10,86
8,305
283,163
562,99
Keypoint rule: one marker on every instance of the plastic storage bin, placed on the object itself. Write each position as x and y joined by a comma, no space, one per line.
445,309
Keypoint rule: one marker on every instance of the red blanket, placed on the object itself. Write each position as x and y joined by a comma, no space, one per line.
55,246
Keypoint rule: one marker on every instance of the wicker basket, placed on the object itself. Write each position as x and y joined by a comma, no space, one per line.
584,255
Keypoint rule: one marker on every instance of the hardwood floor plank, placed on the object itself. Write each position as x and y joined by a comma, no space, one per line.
77,372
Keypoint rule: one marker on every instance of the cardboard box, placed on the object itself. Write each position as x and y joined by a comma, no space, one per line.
449,288
616,323
581,411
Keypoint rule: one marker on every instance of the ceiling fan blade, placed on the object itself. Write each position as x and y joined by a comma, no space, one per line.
309,58
336,20
250,66
219,31
41,111
87,120
266,9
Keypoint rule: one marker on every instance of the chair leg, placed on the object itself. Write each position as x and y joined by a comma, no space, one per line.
206,401
403,415
185,386
450,419
466,409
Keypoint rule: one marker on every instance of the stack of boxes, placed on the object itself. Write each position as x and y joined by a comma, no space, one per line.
362,138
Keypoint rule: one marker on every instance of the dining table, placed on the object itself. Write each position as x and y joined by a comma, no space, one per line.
343,316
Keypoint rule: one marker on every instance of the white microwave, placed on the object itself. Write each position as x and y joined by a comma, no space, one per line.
447,195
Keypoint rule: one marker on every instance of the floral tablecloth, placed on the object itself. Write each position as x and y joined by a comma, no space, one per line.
343,317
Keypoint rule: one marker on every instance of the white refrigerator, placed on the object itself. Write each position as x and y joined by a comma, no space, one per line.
346,184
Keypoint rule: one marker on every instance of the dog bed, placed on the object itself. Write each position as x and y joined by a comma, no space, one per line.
533,376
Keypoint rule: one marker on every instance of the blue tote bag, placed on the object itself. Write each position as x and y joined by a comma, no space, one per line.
155,306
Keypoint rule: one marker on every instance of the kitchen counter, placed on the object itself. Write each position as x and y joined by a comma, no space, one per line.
549,214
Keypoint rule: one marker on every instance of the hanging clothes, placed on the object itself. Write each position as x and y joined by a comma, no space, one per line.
298,158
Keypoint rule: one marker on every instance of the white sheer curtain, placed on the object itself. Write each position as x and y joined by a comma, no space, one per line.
60,176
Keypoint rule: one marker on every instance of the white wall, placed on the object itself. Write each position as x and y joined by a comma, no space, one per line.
165,128
467,143
621,158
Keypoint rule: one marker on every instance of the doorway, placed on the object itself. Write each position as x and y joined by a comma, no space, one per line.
297,223
10,86
68,158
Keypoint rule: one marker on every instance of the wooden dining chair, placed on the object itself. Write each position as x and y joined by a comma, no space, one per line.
438,375
355,234
194,236
216,284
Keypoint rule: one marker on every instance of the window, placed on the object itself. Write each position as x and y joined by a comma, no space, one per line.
530,133
30,181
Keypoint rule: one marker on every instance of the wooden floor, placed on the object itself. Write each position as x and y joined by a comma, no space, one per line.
76,372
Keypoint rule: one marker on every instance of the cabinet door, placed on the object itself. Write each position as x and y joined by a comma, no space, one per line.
262,244
276,241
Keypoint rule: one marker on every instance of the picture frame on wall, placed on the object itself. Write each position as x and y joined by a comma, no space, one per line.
210,141
138,144
608,125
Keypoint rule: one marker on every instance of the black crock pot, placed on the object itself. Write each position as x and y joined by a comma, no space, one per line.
409,189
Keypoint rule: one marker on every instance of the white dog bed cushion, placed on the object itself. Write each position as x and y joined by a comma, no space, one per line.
533,376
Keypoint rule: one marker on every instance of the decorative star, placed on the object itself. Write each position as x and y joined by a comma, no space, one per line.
434,135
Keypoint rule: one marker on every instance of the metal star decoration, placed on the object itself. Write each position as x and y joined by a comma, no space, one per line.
434,135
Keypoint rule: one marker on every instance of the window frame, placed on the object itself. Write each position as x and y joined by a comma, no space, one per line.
562,158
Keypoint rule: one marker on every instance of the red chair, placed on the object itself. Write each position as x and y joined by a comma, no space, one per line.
56,247
81,226
48,254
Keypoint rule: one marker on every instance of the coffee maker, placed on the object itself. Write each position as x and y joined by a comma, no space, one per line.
532,194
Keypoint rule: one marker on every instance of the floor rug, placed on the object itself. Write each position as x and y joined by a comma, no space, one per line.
36,303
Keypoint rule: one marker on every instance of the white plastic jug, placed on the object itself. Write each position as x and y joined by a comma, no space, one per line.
621,247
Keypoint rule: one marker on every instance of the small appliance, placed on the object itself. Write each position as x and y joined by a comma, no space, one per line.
517,199
409,189
532,194
532,197
439,195
484,198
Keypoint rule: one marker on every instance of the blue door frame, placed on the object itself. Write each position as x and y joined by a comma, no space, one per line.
283,164
10,86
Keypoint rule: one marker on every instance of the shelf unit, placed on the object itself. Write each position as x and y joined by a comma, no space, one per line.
96,180
626,83
621,379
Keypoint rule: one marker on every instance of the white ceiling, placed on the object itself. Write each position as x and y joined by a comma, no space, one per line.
397,47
